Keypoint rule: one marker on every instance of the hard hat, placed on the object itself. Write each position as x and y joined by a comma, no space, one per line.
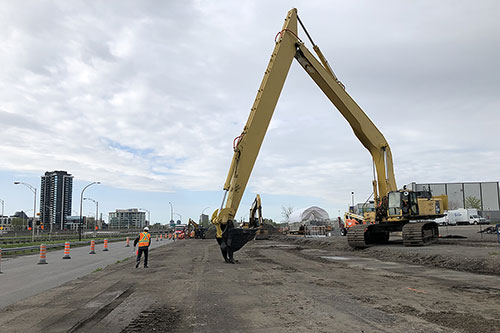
146,229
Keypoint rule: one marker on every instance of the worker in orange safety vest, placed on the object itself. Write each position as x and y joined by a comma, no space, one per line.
144,241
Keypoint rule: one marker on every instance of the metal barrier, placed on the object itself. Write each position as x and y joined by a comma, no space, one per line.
62,236
315,231
50,246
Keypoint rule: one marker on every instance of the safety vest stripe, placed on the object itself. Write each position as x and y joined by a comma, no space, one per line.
144,239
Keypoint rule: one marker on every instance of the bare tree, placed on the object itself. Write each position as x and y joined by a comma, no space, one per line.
453,205
286,212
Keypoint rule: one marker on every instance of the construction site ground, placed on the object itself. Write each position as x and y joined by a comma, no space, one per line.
285,284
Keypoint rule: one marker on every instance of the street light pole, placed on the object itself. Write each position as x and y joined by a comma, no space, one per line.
204,209
96,214
3,202
171,211
33,189
81,206
180,216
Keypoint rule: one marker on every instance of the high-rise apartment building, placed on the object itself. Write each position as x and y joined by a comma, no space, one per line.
55,199
127,219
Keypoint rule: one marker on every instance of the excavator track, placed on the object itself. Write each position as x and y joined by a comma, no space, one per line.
356,236
420,233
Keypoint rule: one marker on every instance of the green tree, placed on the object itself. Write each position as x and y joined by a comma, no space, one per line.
472,202
18,223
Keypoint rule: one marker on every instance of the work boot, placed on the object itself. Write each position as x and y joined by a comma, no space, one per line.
137,265
146,266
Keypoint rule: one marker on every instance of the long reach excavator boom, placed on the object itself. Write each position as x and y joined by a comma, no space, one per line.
247,145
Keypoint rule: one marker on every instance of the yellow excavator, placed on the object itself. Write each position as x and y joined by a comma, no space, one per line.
256,219
194,230
396,210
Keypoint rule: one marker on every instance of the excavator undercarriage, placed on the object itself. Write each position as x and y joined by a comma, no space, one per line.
413,233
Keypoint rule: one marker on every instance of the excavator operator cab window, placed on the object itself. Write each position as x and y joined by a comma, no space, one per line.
395,203
409,203
413,203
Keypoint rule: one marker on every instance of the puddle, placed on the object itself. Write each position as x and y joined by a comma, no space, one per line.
334,258
281,246
314,251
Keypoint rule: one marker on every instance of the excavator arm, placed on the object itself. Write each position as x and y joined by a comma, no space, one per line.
192,224
256,209
247,145
364,129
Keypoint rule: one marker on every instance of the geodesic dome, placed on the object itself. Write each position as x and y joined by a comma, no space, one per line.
313,213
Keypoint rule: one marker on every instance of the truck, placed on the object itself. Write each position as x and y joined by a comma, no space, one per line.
464,216
180,231
474,217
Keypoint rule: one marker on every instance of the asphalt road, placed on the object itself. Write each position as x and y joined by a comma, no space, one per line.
22,277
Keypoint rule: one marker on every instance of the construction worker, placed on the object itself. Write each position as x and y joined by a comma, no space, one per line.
144,240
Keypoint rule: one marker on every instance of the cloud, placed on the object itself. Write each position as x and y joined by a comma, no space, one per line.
148,96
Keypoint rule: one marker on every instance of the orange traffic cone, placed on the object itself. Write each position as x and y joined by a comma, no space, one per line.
128,242
161,237
92,247
105,245
43,254
66,251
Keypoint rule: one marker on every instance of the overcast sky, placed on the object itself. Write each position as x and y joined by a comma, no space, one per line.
147,96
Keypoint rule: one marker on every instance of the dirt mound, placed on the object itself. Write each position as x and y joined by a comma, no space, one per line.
271,229
211,231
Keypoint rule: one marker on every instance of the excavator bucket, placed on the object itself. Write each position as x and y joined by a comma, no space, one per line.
236,238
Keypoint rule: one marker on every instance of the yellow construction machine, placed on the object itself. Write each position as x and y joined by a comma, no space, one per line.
256,219
194,230
396,210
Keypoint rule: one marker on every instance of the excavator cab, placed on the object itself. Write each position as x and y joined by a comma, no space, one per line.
402,204
413,205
